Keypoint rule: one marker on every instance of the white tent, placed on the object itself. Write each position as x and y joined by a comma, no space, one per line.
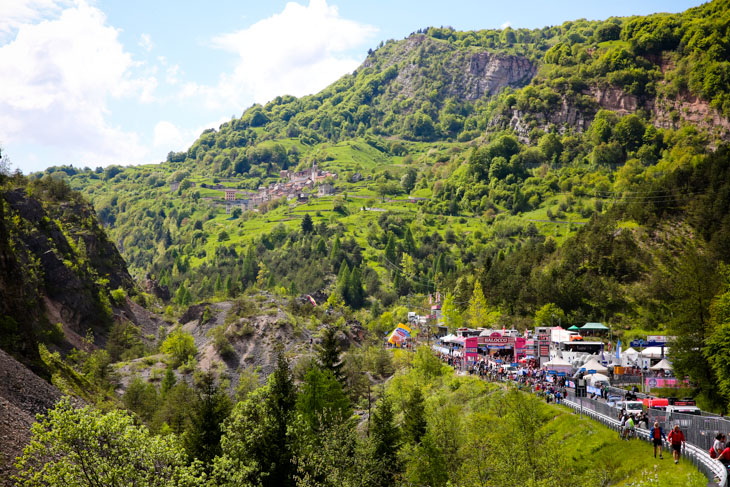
559,361
593,364
654,352
450,339
441,349
595,379
558,364
662,365
630,351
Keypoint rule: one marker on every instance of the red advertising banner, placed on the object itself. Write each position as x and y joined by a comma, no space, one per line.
496,340
471,348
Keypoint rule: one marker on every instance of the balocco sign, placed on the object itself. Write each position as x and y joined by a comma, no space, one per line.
496,340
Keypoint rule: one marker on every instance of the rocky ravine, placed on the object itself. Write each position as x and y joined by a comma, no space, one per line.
22,395
254,328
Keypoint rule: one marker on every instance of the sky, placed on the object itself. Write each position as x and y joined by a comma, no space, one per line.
98,82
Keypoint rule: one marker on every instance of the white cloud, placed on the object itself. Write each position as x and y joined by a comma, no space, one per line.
297,52
14,13
145,42
167,135
505,25
58,76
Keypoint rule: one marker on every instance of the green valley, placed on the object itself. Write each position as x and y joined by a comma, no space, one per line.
236,297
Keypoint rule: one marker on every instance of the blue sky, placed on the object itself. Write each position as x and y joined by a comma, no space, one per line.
92,83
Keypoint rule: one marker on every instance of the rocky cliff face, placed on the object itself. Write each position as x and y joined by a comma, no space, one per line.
56,266
487,74
665,113
463,74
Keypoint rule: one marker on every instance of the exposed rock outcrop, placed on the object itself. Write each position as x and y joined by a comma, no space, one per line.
22,395
465,75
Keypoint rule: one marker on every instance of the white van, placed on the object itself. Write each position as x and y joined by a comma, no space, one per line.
693,410
630,406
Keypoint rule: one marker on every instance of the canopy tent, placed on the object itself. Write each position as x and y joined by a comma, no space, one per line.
450,339
594,379
574,328
594,326
630,351
558,361
654,352
593,364
558,364
662,365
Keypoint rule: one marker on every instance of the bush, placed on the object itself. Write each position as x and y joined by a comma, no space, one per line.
180,346
221,342
118,296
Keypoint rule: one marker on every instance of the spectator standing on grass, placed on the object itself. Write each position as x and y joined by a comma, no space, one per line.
676,439
657,435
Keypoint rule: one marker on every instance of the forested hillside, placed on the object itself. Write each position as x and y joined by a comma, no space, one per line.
579,168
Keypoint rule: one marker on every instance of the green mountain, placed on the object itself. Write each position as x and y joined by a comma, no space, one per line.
576,166
567,174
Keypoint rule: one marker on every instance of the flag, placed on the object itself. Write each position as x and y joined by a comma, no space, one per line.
618,349
430,299
525,333
311,300
503,330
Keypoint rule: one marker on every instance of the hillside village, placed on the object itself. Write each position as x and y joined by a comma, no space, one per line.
297,186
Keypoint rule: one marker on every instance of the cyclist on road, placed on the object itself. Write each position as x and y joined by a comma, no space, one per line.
676,438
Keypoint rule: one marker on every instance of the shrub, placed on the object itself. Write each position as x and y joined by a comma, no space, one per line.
180,346
118,296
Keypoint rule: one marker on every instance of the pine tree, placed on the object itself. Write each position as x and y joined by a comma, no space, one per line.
477,306
229,286
329,352
409,244
385,437
355,292
335,253
414,417
250,266
168,382
307,225
203,439
321,248
343,280
322,400
390,252
218,285
280,403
